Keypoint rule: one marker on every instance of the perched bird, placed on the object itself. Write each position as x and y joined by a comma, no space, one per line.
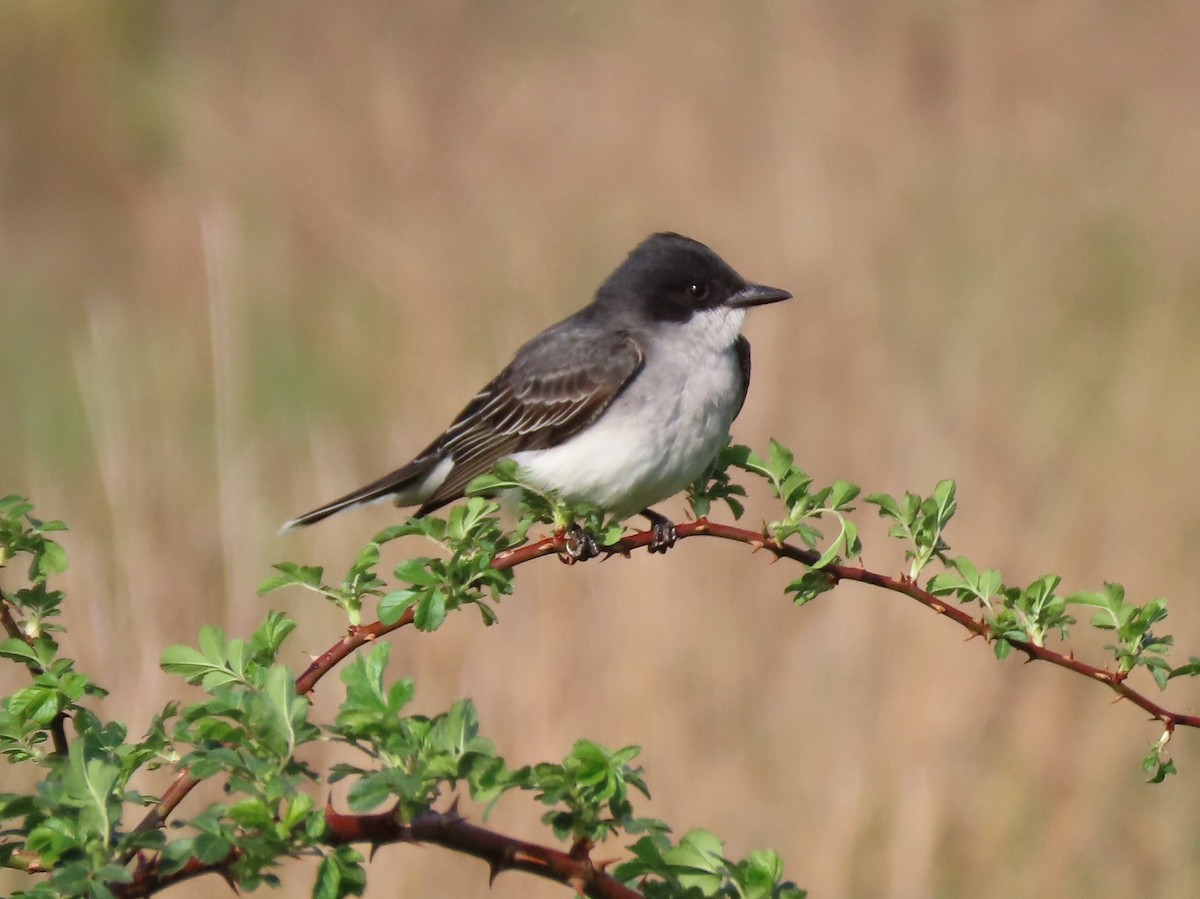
621,405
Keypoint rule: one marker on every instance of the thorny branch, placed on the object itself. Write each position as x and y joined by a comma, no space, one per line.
575,868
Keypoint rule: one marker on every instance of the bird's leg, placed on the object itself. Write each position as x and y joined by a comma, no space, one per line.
578,545
663,529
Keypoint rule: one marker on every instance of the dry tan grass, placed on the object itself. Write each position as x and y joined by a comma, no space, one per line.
254,254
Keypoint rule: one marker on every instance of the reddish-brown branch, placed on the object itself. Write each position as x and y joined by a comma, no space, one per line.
355,637
455,836
502,853
1115,681
10,623
148,878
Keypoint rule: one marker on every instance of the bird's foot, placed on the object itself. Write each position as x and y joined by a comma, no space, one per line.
578,545
663,531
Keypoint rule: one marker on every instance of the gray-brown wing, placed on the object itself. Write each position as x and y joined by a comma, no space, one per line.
742,346
559,384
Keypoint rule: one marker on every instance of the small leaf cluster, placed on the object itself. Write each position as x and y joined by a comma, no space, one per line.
414,759
23,534
1030,614
30,716
71,825
1026,614
793,487
696,868
920,521
249,732
470,538
716,485
592,787
417,759
1130,623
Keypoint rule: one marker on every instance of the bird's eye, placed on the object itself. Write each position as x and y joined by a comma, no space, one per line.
697,290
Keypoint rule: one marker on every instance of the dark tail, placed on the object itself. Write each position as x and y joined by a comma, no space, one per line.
388,485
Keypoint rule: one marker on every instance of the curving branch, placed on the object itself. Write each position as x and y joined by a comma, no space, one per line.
575,868
502,853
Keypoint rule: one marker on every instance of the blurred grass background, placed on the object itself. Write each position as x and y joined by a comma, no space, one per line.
255,254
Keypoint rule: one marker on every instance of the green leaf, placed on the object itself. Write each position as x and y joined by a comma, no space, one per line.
417,571
367,558
1191,669
888,507
269,637
843,492
431,610
779,460
283,706
187,662
698,861
88,785
19,651
947,504
53,559
809,586
340,874
210,848
393,606
212,643
291,573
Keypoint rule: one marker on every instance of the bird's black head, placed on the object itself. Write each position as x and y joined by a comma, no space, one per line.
669,278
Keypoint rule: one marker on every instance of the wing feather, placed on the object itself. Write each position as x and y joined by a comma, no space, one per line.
742,346
560,383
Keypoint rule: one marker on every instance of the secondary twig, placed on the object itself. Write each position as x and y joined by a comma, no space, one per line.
58,726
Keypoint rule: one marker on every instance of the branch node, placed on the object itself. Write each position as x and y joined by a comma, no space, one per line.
581,848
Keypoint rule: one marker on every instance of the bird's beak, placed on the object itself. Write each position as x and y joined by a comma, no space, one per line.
756,295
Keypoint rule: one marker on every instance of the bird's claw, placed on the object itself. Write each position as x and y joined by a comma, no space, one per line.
578,545
664,536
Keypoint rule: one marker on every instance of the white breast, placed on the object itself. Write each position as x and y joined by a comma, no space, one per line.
664,429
